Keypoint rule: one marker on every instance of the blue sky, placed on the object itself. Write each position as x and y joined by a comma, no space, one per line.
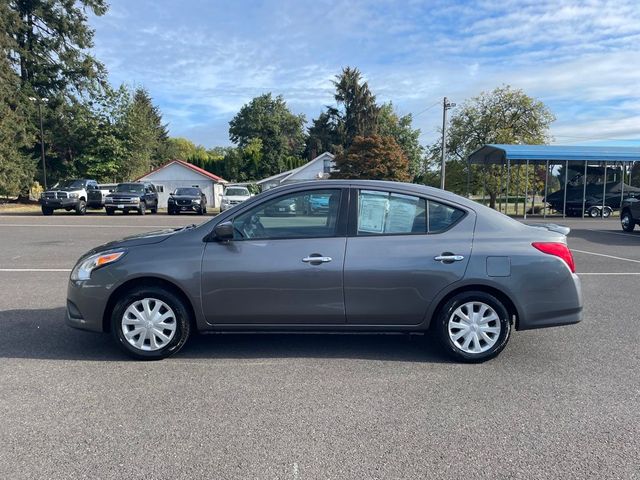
201,60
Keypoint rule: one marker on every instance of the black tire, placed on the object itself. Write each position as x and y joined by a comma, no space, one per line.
169,211
627,222
47,211
154,210
606,212
182,321
594,212
453,349
81,207
110,211
142,209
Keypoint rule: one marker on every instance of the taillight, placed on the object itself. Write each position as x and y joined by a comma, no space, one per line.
559,250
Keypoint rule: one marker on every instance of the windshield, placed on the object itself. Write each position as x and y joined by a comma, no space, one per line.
130,188
236,191
194,192
72,184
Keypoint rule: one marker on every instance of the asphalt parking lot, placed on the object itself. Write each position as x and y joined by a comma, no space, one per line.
557,403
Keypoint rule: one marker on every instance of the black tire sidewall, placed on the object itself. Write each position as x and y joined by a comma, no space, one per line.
142,209
81,207
183,322
442,326
632,224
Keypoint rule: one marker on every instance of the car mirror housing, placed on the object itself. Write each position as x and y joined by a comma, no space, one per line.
223,232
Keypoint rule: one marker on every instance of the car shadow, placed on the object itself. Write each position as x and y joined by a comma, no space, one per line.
42,334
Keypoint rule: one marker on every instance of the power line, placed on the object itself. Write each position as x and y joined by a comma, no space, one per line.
437,102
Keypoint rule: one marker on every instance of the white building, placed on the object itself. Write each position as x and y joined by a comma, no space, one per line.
316,169
178,173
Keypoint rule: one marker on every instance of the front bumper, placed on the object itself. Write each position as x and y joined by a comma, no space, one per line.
86,304
58,202
193,207
122,206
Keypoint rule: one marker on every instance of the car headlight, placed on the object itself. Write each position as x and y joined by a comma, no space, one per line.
73,195
83,269
197,200
135,200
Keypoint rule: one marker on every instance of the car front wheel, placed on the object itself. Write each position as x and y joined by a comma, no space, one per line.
626,220
473,326
150,323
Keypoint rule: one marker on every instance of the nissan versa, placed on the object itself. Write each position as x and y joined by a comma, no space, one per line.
378,257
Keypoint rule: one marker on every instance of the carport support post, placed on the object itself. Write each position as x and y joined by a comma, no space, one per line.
623,167
584,188
506,193
604,188
546,182
526,188
566,181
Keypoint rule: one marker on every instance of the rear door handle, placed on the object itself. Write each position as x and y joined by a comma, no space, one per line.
316,259
448,258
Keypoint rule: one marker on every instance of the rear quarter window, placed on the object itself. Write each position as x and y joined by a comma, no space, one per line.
441,217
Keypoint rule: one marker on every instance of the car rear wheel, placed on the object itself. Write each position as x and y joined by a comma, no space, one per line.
473,326
150,323
594,212
626,220
606,213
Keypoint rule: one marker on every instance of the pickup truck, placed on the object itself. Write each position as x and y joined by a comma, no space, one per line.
69,195
97,196
630,213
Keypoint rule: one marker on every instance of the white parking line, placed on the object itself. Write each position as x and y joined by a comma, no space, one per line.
608,273
607,256
67,270
86,226
632,235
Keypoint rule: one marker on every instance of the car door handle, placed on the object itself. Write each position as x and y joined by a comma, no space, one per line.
317,259
448,258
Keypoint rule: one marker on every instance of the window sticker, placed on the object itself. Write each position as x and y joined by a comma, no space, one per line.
401,214
372,211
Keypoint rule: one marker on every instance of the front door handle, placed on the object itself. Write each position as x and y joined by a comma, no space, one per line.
448,258
316,259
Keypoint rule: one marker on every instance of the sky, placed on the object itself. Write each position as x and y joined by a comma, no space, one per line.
201,60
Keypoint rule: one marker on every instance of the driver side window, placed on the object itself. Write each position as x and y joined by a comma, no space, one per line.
307,214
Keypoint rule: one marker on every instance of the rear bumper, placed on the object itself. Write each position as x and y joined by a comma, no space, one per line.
561,305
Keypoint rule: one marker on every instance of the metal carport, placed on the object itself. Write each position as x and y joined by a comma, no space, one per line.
502,154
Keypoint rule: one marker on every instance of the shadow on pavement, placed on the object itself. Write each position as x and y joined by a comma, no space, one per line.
42,334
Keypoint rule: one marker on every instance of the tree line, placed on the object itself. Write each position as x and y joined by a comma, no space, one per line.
94,129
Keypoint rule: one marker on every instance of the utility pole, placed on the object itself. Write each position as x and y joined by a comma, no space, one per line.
39,101
446,105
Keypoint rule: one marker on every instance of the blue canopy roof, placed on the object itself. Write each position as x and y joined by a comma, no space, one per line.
499,153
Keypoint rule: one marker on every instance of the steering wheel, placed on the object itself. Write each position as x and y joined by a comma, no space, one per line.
253,228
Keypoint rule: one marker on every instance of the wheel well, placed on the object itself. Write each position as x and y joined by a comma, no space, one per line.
144,282
509,305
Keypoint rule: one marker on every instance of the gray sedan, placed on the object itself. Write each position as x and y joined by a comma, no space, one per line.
381,257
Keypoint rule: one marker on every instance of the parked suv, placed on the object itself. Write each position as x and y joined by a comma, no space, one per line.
136,196
189,199
630,213
234,195
70,195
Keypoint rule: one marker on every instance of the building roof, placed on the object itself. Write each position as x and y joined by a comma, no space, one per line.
191,166
283,176
499,153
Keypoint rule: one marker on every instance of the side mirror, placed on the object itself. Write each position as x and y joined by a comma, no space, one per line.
223,231
171,194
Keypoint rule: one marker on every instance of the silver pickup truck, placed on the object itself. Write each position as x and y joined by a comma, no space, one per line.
69,195
97,196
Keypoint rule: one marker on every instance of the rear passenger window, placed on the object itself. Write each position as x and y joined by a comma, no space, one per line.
382,213
441,217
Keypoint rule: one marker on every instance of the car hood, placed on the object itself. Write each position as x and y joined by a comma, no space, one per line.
138,240
64,190
242,198
185,197
124,195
